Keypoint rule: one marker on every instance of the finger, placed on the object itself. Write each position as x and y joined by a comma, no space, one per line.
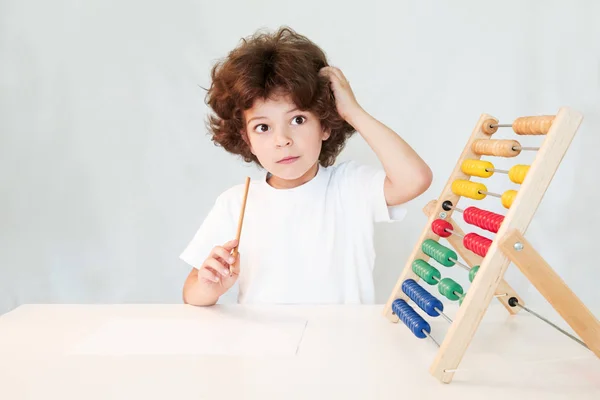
331,70
235,267
208,274
221,253
324,71
230,245
229,267
340,75
217,266
336,77
327,72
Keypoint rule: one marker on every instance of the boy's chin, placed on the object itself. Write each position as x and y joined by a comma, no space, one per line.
291,172
287,174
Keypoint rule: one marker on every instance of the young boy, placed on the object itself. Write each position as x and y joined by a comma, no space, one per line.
308,229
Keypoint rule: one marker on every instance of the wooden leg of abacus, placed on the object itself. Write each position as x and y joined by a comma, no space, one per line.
495,263
553,288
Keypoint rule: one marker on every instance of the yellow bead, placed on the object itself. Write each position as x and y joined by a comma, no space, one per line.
477,168
517,173
462,187
508,197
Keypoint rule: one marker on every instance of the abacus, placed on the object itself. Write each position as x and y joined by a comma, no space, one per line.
487,259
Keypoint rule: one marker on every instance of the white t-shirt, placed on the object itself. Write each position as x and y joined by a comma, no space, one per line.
312,244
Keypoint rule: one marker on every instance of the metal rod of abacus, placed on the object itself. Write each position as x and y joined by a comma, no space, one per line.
447,206
489,193
454,233
443,315
514,302
430,337
515,148
502,171
459,263
501,125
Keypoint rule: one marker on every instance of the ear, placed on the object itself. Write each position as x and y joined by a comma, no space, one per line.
326,134
246,140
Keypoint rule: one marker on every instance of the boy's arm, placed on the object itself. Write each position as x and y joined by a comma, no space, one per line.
407,175
217,274
197,294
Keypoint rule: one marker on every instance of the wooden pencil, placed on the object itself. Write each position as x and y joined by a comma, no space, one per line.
240,221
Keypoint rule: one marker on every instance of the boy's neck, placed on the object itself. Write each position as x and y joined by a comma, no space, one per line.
280,183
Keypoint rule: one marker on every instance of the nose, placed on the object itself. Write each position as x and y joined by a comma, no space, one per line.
283,138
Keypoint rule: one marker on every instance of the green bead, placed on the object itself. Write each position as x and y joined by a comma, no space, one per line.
438,252
447,287
473,272
426,271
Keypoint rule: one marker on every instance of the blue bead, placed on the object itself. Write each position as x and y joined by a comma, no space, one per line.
411,319
425,300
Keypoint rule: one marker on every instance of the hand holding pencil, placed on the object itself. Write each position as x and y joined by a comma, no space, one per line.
219,267
223,263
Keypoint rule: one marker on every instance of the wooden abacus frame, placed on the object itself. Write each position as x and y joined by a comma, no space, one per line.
508,245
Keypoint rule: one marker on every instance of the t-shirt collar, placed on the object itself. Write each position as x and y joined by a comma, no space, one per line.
305,186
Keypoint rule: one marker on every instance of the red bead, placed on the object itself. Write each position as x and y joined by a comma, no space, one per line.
477,244
439,227
484,219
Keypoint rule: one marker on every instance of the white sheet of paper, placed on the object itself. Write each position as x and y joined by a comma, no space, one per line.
191,337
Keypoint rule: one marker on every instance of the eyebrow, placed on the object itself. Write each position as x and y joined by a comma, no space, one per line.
287,112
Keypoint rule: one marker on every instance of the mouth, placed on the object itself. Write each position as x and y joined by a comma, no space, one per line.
287,160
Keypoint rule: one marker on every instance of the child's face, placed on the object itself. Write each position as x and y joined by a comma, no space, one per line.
286,141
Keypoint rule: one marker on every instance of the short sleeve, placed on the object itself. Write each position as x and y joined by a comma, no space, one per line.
366,185
214,230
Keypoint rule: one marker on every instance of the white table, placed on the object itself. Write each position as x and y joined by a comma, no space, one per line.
285,352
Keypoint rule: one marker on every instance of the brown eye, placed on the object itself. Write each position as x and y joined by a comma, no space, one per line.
298,120
261,128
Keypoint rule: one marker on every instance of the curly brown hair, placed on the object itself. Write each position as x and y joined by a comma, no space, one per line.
284,62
